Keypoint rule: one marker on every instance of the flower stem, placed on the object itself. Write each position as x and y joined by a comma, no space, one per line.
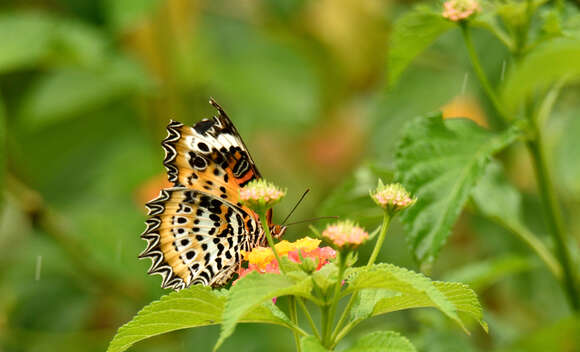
293,313
264,222
308,317
335,298
480,73
337,334
380,240
529,238
554,217
294,318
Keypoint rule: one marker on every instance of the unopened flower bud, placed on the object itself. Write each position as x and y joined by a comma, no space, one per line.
392,197
260,195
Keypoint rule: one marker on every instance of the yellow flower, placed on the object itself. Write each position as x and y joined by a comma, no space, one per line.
259,256
307,243
262,256
283,247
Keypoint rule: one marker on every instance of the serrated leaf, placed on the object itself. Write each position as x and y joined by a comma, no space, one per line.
311,344
192,307
413,33
545,65
252,290
440,162
189,308
267,312
494,196
380,341
406,289
373,302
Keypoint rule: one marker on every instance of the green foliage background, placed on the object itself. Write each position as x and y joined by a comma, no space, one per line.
87,87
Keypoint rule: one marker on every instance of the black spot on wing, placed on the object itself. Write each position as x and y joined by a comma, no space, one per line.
202,126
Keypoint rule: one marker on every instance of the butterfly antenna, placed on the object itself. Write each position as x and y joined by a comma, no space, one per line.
296,206
312,220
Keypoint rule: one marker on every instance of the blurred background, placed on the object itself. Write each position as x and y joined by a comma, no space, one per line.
87,88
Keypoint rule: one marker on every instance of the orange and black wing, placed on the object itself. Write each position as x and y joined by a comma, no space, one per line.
196,238
209,156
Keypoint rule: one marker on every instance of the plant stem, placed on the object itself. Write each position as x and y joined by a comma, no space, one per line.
342,333
534,243
326,334
336,334
545,185
553,216
480,73
324,313
343,316
308,317
293,313
380,240
264,222
294,318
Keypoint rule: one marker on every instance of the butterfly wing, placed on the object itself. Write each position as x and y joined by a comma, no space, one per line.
209,156
194,237
197,229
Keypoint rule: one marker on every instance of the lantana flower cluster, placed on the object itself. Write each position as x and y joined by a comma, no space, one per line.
458,10
345,234
392,197
262,260
260,194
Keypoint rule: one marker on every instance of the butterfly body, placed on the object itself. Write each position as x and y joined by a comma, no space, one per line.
197,229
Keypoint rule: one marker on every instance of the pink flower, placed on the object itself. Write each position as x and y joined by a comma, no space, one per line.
259,194
457,10
345,234
392,197
262,261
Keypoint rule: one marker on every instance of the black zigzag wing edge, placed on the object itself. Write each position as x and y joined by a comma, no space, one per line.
168,145
152,251
228,126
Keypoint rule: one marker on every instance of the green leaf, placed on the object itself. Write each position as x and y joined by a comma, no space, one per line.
189,308
407,289
76,43
494,196
380,341
500,201
67,93
311,344
412,34
25,39
440,162
483,274
192,307
252,290
545,65
268,312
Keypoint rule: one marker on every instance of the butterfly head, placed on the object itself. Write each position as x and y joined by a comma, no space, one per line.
277,231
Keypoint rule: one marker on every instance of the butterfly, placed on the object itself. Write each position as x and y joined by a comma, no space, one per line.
197,229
